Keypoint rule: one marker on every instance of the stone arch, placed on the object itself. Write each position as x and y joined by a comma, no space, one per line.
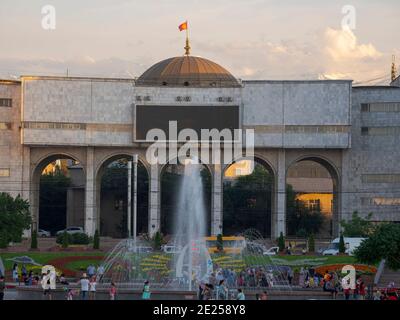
75,197
249,204
112,212
319,193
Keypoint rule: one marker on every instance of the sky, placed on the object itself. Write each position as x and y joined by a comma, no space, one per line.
253,39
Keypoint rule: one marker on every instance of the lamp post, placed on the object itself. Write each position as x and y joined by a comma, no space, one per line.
135,164
129,198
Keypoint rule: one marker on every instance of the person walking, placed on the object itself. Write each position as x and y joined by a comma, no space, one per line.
15,275
113,291
240,295
146,291
2,287
290,276
264,296
92,288
222,291
84,286
46,285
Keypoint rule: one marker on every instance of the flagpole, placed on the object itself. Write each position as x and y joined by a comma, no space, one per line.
187,47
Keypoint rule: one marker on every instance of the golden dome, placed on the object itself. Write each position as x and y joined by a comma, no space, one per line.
187,71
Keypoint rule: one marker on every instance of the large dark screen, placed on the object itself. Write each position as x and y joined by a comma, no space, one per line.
193,117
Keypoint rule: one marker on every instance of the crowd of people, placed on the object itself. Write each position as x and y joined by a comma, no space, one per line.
223,284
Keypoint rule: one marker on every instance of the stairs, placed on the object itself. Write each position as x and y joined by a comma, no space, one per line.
389,276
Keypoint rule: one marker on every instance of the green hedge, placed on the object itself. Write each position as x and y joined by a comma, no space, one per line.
76,238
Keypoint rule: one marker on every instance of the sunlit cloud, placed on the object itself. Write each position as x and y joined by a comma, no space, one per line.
342,44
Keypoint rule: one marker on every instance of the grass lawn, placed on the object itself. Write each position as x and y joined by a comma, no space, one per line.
81,265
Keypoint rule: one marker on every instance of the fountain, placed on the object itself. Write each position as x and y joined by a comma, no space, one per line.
190,228
185,261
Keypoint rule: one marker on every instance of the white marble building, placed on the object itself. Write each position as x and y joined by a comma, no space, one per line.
354,132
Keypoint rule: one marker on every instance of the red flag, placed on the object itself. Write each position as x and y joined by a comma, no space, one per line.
183,26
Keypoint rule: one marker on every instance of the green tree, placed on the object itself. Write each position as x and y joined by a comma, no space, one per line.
96,240
311,243
65,240
383,243
281,242
342,245
301,220
53,200
357,226
14,218
247,200
158,240
34,241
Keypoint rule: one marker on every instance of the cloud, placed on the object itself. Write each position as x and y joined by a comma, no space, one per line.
77,66
343,45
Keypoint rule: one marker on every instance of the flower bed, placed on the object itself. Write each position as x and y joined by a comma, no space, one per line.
362,268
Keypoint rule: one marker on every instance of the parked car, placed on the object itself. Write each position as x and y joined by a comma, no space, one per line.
43,233
142,249
171,249
71,230
255,248
350,243
271,251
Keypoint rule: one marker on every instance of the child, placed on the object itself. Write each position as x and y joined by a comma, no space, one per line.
113,291
70,294
316,280
311,282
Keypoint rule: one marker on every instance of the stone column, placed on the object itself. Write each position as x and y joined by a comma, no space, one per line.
154,205
216,200
90,194
26,190
280,216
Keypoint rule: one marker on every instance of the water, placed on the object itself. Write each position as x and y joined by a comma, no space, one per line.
193,262
185,261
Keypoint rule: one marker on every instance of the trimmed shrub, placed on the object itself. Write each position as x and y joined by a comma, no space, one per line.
34,242
96,240
281,242
80,238
65,240
342,246
311,243
76,238
220,243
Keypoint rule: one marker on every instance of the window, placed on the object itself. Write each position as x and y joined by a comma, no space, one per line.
364,131
364,107
5,126
5,102
4,172
381,178
54,125
314,205
380,201
381,107
380,131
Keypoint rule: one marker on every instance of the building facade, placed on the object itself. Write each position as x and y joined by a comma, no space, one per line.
353,132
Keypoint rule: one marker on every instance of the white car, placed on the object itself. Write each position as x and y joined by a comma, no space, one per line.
43,233
350,243
71,230
171,249
271,251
